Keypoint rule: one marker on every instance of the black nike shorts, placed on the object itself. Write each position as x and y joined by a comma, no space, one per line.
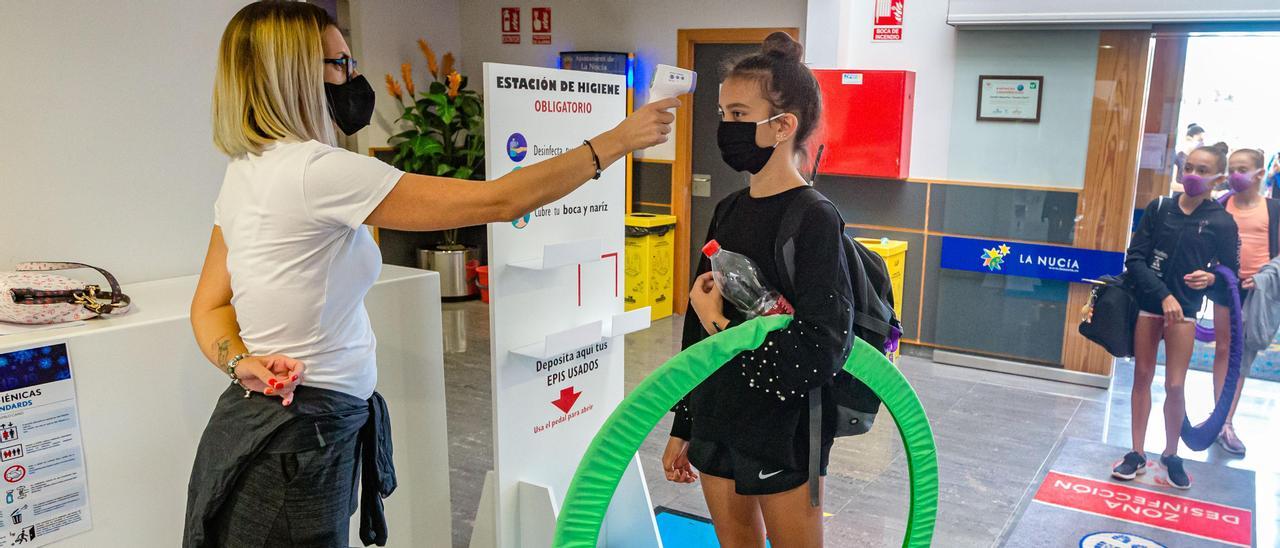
750,476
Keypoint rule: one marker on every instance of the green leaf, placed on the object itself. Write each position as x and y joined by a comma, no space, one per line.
440,99
447,113
436,87
423,146
443,169
463,172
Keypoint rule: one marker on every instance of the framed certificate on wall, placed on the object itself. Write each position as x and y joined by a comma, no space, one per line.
1010,98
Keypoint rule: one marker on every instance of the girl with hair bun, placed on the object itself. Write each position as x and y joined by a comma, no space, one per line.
746,428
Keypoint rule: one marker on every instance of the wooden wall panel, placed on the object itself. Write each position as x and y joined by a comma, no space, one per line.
1163,102
1111,170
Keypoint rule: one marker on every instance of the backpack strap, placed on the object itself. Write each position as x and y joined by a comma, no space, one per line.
788,228
1273,227
815,444
785,259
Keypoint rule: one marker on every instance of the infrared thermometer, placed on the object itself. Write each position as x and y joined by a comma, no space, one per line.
669,81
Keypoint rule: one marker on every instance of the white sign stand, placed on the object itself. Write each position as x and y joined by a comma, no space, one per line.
556,313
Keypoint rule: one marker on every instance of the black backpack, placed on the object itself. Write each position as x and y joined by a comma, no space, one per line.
874,319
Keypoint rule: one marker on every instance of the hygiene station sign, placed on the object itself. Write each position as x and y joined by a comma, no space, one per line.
556,312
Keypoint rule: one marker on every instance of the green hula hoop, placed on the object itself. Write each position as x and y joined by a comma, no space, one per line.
610,452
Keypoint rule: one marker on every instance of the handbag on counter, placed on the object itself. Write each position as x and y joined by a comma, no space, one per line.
31,294
1110,316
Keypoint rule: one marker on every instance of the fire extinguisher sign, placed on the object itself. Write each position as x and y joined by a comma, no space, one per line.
887,23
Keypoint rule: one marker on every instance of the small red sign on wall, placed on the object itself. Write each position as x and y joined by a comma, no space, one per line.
511,39
542,39
889,12
893,34
541,20
1198,518
510,21
888,21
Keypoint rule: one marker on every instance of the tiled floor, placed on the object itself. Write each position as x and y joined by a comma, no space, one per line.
993,433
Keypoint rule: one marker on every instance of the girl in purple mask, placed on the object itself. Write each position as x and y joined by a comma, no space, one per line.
1259,221
1168,263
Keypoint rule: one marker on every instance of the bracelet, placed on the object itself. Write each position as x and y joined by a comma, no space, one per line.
594,157
231,372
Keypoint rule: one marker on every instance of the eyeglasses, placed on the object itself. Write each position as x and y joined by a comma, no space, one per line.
347,64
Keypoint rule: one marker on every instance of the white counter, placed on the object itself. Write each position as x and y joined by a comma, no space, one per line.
145,394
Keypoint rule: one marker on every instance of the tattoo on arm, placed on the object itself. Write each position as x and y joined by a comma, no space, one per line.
224,350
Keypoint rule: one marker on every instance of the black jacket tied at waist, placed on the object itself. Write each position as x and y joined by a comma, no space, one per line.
241,429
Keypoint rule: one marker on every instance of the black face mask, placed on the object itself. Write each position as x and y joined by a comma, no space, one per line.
738,147
351,104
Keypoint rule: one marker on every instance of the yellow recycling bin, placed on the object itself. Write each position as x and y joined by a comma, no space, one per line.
894,253
650,263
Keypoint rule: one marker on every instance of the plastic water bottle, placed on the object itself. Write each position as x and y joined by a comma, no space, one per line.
742,285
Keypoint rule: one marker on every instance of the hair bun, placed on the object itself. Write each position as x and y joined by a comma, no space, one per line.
1221,147
780,44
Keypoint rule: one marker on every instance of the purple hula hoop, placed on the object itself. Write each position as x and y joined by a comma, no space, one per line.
1201,436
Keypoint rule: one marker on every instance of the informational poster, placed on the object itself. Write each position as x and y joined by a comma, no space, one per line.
511,25
45,492
556,312
1154,146
1010,98
887,26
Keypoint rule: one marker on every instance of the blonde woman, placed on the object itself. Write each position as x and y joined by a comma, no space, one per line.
279,306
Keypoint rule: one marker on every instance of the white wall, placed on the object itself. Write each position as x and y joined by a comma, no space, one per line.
1049,153
384,34
928,48
106,155
646,28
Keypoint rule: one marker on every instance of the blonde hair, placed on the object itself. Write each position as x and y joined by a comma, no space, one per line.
270,79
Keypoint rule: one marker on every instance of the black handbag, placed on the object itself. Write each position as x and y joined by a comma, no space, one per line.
1110,316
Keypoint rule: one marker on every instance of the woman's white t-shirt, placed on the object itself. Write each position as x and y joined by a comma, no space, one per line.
300,260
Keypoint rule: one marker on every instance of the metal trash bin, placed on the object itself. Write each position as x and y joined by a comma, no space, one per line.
452,266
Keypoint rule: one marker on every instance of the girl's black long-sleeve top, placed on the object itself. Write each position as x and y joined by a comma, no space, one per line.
757,403
1170,244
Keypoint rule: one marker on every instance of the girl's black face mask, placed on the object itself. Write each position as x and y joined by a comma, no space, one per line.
351,104
737,141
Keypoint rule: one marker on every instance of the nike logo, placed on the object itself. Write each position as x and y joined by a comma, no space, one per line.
765,476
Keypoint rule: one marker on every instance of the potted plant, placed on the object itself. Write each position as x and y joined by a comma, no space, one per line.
443,136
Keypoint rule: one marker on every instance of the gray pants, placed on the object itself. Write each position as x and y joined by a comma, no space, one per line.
292,500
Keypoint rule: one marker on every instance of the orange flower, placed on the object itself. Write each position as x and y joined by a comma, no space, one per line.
407,72
394,88
446,63
431,58
455,82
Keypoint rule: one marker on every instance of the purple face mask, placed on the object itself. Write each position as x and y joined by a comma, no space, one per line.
1241,182
1195,185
